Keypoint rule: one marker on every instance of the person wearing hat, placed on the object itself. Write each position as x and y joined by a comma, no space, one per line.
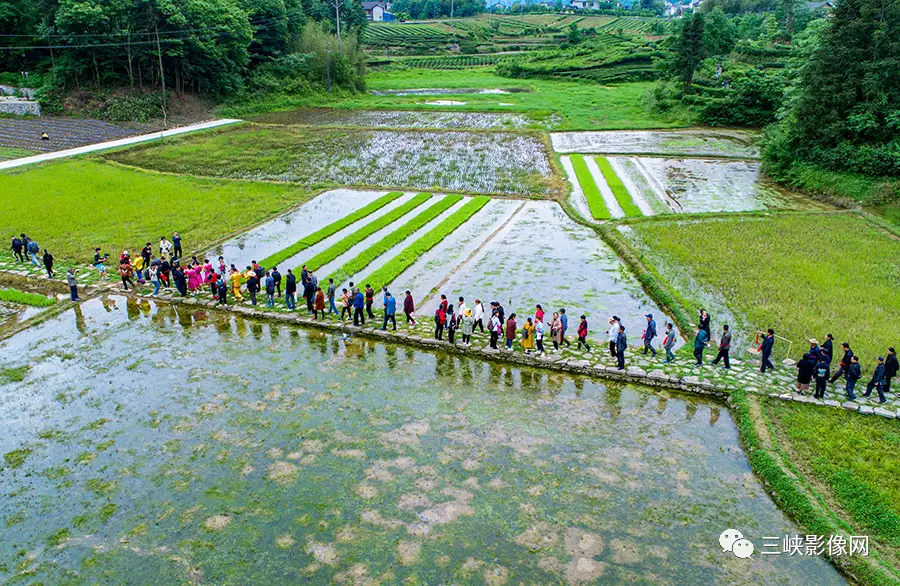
890,368
877,381
649,334
467,326
814,350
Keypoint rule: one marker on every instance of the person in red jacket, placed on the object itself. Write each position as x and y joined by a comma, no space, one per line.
408,308
510,331
440,320
582,333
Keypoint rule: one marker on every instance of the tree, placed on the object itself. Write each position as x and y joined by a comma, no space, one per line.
845,112
689,49
719,33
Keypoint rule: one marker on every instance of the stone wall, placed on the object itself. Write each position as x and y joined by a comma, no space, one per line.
20,108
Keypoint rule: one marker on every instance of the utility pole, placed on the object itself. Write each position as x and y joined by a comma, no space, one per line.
162,77
337,18
327,66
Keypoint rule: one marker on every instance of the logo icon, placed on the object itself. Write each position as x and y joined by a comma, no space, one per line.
733,540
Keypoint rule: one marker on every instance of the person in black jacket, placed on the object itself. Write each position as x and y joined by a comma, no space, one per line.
828,347
724,347
845,362
766,348
890,368
252,286
309,292
854,373
621,345
649,334
821,373
877,381
290,289
805,368
276,276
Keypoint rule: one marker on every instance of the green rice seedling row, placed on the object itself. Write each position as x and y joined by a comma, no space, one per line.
366,257
386,274
24,298
615,184
329,230
590,189
346,243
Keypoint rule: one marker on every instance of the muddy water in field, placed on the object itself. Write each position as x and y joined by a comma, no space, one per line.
701,185
162,446
398,119
543,257
706,142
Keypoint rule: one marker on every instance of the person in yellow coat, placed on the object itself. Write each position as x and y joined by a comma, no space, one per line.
235,278
528,336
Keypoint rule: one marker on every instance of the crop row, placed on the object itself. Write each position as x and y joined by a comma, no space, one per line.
629,23
460,62
333,228
615,185
589,187
395,267
403,33
365,258
23,298
351,240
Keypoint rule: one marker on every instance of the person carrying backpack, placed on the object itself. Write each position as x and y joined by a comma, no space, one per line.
16,245
821,374
33,250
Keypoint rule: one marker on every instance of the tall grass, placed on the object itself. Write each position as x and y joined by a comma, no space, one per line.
589,187
23,298
351,240
366,257
805,275
390,271
332,228
615,185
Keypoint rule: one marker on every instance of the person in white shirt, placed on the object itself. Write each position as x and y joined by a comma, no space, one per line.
478,314
612,333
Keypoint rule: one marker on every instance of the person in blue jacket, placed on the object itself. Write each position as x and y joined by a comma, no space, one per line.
390,310
700,344
649,334
358,303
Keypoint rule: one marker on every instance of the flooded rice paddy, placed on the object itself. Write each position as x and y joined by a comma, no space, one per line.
705,185
543,257
399,119
706,142
277,234
149,445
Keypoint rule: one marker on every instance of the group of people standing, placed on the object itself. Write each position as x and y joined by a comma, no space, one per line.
816,366
22,245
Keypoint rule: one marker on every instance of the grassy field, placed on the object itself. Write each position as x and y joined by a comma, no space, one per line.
7,153
848,458
804,275
579,105
74,206
24,298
